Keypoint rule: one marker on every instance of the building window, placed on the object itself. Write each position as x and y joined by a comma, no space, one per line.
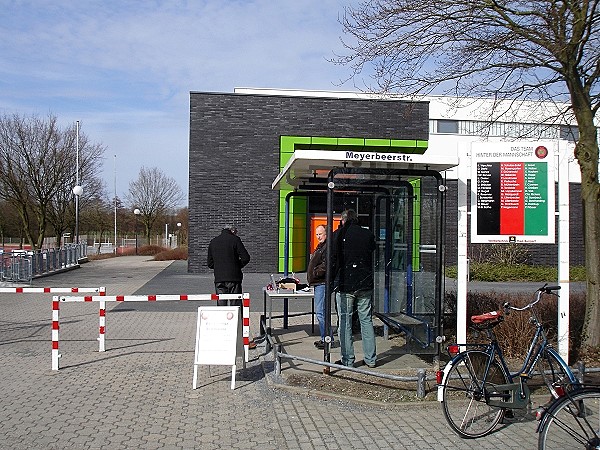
447,126
569,133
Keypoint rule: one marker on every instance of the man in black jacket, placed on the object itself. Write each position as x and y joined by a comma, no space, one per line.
353,261
227,256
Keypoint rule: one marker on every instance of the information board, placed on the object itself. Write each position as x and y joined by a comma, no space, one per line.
216,338
512,192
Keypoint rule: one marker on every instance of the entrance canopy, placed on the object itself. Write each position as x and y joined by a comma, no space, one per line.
313,166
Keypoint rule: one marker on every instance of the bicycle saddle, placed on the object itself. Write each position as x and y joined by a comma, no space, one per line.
488,319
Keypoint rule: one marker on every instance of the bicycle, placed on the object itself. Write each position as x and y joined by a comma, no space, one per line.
476,388
571,421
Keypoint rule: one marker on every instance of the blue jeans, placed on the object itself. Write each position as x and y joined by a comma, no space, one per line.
364,307
320,309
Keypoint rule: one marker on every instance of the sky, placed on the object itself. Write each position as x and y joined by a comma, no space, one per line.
125,69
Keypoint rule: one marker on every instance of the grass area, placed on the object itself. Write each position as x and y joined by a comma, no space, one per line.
515,272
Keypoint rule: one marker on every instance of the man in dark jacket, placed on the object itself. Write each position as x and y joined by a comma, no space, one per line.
227,256
353,260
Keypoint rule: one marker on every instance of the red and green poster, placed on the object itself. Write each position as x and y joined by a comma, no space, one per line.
512,193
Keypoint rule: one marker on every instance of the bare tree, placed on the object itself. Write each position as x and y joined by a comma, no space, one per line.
502,49
37,168
154,194
9,223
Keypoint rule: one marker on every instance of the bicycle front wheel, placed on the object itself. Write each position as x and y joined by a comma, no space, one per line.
466,390
557,377
572,422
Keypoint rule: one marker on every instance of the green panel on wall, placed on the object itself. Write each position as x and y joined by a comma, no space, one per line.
353,142
423,145
377,143
324,141
298,251
297,235
403,143
416,262
295,264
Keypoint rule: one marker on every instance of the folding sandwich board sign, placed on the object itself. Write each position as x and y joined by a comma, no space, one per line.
216,338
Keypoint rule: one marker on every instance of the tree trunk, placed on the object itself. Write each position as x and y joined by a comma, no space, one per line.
587,155
591,214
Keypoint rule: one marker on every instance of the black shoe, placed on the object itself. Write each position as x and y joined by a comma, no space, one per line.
339,362
320,345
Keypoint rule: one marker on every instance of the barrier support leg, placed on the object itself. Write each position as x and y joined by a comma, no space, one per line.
246,326
55,327
102,326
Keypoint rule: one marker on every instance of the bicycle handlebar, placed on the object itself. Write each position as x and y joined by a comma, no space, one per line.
549,289
545,289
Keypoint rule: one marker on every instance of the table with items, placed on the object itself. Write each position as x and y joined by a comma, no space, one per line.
286,295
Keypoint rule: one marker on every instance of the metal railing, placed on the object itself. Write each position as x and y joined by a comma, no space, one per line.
21,266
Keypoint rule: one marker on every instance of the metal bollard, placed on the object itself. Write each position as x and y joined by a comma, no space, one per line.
276,350
421,379
580,371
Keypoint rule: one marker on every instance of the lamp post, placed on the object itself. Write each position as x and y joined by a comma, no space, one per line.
77,189
178,234
137,212
115,204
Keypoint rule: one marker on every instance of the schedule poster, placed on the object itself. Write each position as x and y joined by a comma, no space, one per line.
512,193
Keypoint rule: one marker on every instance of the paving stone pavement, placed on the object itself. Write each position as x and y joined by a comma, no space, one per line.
138,394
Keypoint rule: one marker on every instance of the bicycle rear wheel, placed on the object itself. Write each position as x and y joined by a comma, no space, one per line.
572,422
556,376
465,394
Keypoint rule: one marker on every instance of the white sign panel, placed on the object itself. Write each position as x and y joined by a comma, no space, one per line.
217,335
216,338
512,192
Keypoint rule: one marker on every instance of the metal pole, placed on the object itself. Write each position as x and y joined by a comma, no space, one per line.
136,212
115,204
562,164
329,276
77,184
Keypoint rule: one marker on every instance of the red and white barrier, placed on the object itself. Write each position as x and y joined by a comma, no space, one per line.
142,298
51,290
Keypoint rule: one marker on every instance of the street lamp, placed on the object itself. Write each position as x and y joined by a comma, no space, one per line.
137,212
178,234
77,190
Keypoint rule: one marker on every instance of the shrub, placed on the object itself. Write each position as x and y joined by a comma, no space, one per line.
179,253
515,333
515,272
150,250
96,257
499,253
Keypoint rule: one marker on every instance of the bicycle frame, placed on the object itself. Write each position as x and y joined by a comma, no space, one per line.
539,343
